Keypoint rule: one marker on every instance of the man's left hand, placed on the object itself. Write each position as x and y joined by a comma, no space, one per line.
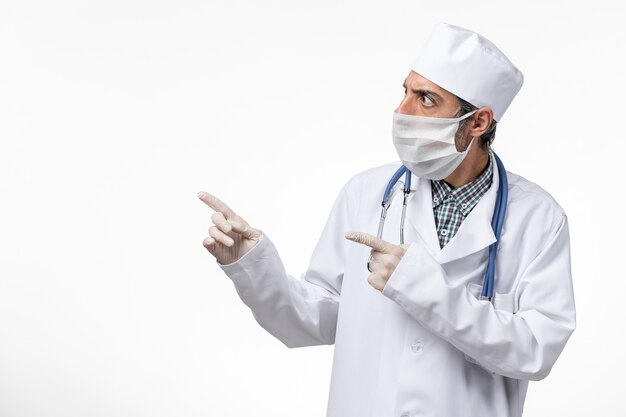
385,257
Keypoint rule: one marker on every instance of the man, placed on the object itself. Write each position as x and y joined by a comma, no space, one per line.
413,336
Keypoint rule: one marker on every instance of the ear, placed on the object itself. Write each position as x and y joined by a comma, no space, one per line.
480,121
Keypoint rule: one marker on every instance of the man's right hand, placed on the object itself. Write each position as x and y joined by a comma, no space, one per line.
230,237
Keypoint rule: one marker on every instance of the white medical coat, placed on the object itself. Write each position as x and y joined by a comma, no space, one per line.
426,345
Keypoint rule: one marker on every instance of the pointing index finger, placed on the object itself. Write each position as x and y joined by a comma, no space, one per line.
216,204
373,242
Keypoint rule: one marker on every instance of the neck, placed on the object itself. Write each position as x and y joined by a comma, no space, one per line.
473,165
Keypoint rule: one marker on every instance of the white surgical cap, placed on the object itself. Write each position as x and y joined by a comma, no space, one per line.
470,67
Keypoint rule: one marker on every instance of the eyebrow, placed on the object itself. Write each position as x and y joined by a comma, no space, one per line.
423,91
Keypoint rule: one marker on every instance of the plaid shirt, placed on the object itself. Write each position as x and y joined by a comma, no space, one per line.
451,206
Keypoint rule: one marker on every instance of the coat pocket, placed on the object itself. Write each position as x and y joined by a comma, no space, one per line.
501,301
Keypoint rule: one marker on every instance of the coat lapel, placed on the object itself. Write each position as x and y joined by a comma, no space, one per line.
475,232
420,214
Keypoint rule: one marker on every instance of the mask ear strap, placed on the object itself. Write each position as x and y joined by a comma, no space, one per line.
468,146
466,115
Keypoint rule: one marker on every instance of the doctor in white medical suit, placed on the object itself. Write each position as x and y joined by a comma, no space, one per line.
414,336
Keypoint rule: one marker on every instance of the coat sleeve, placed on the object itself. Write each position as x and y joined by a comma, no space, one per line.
298,312
521,345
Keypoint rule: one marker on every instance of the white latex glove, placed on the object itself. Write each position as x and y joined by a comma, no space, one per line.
385,257
230,236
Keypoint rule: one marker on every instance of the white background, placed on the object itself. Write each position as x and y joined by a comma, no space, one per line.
114,114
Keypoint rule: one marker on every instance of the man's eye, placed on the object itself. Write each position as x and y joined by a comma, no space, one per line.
427,101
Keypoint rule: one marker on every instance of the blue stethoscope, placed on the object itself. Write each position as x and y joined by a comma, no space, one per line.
496,222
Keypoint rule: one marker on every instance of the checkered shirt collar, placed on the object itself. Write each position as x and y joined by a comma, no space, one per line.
466,196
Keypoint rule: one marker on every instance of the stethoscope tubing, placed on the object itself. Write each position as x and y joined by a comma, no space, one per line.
497,221
386,203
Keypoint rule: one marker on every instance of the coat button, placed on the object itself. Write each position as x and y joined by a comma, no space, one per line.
418,346
444,232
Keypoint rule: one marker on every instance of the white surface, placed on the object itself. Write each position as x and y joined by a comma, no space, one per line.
114,114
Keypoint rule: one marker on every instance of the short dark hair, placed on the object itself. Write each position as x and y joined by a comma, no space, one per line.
487,138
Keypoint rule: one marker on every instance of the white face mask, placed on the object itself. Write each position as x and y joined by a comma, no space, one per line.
426,144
